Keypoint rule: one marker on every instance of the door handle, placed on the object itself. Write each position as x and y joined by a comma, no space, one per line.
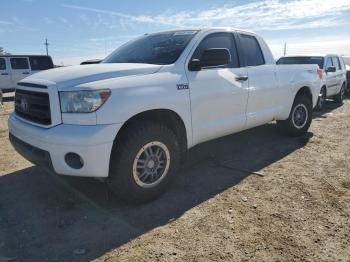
242,78
4,74
25,73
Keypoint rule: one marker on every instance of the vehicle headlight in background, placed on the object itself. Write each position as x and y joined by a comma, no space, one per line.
83,101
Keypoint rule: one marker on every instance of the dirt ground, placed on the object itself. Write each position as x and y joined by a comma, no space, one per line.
256,195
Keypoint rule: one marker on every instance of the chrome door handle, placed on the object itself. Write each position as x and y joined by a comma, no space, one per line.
242,78
25,73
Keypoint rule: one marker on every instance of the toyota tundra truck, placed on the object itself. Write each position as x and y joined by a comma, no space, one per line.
130,119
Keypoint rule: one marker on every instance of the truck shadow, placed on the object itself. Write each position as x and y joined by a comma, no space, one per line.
329,106
46,217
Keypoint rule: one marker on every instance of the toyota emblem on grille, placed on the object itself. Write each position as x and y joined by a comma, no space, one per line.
24,105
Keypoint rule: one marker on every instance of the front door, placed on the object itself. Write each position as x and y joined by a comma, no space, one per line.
5,76
218,97
20,69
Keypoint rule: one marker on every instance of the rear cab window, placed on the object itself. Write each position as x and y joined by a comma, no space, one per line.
253,55
310,60
2,64
219,40
19,63
40,62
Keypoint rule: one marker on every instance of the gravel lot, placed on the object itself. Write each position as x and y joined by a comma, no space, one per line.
256,195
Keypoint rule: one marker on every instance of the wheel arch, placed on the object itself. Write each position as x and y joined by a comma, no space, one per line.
171,119
304,91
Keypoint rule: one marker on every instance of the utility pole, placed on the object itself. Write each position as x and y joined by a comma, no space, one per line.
285,49
47,46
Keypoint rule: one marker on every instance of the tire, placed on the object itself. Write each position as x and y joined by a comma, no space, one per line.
321,99
340,96
143,162
299,119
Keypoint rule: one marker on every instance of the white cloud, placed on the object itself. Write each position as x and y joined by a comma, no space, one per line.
258,15
6,23
319,45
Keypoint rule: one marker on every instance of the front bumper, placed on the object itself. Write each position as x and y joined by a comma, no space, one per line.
49,146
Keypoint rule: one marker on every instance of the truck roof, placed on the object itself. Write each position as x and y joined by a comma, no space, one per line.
203,29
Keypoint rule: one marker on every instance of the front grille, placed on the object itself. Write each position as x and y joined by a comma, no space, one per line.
348,75
33,106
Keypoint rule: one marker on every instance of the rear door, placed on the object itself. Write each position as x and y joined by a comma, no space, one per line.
331,79
20,68
263,104
339,74
5,76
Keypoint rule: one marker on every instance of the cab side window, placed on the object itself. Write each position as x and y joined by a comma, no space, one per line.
2,64
251,50
19,63
219,40
336,63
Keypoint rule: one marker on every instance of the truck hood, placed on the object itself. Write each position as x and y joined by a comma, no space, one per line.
71,76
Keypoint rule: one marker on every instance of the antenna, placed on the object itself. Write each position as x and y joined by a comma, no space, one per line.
285,49
47,46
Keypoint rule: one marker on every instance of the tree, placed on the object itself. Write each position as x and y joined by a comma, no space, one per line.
2,52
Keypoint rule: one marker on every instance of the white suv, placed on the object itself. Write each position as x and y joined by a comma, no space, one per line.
333,72
14,68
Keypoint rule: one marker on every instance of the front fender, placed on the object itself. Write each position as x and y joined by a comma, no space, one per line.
133,95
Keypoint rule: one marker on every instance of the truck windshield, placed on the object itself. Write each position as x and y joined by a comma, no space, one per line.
317,60
160,48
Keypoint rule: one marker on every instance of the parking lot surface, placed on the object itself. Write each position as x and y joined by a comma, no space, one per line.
256,195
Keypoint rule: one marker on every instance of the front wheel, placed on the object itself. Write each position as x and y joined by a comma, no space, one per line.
340,96
299,119
144,162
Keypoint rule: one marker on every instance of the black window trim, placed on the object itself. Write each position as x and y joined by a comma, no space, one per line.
25,57
217,67
5,69
241,51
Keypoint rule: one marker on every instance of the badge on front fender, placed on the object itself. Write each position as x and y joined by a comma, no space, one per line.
182,86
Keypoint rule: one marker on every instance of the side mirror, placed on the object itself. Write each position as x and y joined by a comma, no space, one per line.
215,57
194,65
331,69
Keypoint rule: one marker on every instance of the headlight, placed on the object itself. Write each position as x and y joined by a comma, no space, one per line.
83,101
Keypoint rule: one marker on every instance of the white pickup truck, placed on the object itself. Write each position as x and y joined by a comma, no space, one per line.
131,118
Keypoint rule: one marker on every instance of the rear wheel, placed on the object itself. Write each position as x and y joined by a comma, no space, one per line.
340,96
321,99
143,164
299,119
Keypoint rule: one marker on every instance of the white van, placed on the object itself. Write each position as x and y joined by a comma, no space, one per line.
14,68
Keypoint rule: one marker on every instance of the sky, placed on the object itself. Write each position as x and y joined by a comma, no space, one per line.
78,30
